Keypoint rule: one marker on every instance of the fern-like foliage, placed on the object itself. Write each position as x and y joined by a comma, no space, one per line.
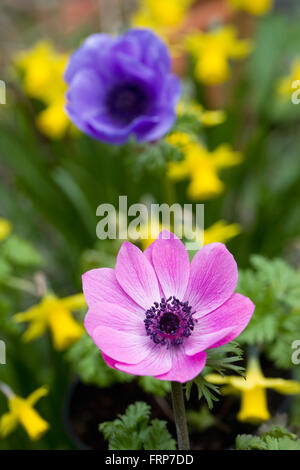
277,438
134,431
219,360
274,287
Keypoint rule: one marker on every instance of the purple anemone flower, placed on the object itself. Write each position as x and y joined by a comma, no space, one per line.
122,86
155,314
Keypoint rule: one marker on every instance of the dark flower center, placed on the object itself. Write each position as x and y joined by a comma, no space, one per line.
169,322
126,102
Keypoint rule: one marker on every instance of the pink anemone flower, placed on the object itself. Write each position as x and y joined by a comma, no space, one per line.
156,313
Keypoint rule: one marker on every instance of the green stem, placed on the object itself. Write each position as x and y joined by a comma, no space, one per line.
180,416
20,284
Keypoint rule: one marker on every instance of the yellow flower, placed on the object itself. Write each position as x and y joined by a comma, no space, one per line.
55,314
212,52
21,411
52,121
160,15
43,69
5,228
254,407
285,88
206,118
201,165
254,7
221,232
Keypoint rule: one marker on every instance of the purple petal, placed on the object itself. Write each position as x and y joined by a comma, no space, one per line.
213,278
92,52
136,276
114,316
86,93
121,346
157,362
101,285
153,52
184,368
171,263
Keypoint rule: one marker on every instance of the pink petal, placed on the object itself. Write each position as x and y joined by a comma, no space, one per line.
121,346
213,278
114,316
136,276
109,361
200,341
172,266
157,362
101,285
222,325
184,368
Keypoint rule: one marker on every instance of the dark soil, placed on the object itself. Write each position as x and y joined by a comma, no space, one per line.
89,405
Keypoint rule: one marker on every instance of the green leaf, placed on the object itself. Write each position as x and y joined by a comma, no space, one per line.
5,269
247,442
274,287
20,252
219,360
88,363
277,438
158,437
154,386
205,389
132,431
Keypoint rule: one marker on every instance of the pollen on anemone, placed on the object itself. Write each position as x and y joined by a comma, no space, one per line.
155,314
122,86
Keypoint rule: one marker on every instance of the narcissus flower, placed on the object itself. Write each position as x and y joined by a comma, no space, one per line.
21,411
43,69
219,232
121,87
285,85
201,165
254,7
55,314
254,406
205,117
212,52
160,15
5,228
155,314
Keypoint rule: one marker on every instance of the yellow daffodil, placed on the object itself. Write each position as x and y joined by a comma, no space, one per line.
212,52
201,165
206,118
21,411
43,69
221,232
285,85
5,228
160,15
254,407
55,314
254,7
